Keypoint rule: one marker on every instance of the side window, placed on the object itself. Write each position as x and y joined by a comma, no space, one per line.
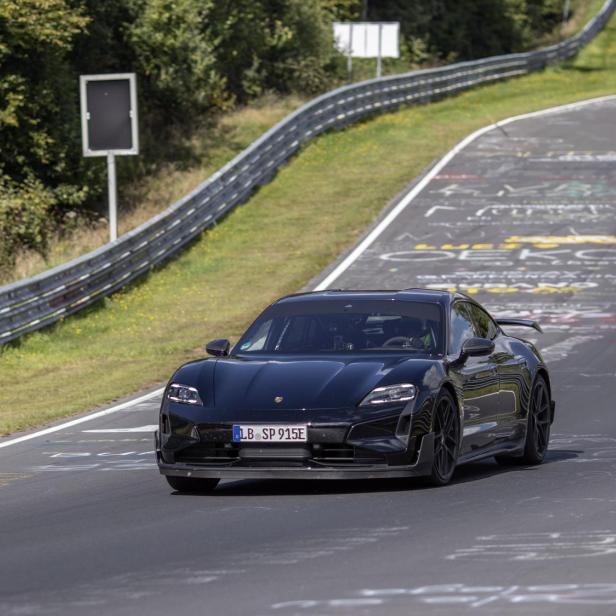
461,327
484,325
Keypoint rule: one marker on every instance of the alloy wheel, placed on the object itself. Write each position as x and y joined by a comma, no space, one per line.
446,436
539,420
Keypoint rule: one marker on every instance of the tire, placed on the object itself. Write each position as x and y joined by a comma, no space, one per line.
191,485
537,429
446,426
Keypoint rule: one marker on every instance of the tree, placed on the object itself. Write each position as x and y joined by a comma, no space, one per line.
36,87
39,164
176,56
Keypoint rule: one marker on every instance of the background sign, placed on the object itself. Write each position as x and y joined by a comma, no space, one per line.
109,114
109,126
363,39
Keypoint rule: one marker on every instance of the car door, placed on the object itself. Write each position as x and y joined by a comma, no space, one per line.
515,382
478,379
508,367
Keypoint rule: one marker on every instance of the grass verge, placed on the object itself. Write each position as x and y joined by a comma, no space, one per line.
316,206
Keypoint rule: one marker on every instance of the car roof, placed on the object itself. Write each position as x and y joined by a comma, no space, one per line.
405,295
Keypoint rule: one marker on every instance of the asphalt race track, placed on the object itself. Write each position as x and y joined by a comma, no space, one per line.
524,219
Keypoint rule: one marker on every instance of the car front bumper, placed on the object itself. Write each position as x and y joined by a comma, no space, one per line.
302,468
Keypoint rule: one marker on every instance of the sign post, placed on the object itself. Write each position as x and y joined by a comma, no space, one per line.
112,191
380,52
566,10
109,126
350,53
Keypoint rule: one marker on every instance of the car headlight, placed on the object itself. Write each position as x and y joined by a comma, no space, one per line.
390,394
183,393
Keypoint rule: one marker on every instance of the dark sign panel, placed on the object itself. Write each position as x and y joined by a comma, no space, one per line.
109,122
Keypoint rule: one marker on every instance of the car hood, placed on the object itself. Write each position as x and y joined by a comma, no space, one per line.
306,383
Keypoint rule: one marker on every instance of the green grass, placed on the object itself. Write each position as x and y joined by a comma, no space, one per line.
315,207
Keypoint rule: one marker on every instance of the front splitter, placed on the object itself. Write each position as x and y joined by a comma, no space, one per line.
423,466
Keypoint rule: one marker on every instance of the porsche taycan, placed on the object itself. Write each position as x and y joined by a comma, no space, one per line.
357,384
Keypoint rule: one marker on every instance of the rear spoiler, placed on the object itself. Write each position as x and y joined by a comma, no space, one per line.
521,323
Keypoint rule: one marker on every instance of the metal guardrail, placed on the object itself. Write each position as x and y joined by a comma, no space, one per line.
33,303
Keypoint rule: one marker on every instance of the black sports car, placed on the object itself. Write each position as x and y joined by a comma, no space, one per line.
348,384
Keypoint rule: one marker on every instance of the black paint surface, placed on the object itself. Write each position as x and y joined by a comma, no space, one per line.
88,527
109,106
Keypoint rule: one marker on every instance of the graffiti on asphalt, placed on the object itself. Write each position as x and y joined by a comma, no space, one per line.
540,546
457,594
573,190
521,213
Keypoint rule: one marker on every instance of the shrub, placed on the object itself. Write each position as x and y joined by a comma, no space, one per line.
25,218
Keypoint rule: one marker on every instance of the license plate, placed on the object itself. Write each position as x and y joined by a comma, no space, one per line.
269,434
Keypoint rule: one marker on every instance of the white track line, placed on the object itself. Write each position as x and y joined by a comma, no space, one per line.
75,422
148,428
416,190
349,260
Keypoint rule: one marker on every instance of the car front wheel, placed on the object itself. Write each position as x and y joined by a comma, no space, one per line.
446,429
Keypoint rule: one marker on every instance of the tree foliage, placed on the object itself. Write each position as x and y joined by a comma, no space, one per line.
40,162
37,91
467,29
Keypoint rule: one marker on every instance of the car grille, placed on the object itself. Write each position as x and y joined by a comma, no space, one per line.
208,453
333,453
327,454
340,455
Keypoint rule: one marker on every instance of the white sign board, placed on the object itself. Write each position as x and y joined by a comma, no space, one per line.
365,39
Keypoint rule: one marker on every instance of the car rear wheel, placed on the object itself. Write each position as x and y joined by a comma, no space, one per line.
538,427
191,485
446,439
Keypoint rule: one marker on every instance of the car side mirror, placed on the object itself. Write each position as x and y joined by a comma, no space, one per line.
219,347
474,347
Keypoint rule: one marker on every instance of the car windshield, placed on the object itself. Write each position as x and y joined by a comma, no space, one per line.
332,326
